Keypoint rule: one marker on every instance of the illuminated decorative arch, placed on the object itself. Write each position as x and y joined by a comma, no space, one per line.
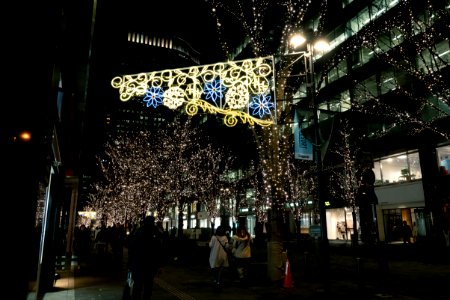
239,90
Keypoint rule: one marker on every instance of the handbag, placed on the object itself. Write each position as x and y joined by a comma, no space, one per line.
227,251
128,287
230,255
130,281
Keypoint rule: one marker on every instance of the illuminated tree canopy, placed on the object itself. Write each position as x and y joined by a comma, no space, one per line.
154,171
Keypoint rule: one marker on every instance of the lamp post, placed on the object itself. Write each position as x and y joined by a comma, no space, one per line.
323,247
308,55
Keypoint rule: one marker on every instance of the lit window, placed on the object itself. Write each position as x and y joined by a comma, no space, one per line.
402,167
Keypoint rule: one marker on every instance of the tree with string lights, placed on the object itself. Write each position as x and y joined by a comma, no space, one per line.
345,176
301,188
153,171
411,91
195,167
274,142
406,43
132,181
415,93
181,154
215,164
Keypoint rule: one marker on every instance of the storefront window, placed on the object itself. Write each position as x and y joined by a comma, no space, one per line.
305,222
340,224
401,167
377,170
414,165
444,159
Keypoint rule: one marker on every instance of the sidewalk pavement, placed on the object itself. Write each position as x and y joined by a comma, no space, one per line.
405,276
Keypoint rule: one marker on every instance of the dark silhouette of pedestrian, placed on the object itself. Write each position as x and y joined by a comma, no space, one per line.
406,233
82,246
102,240
117,241
145,258
366,200
414,232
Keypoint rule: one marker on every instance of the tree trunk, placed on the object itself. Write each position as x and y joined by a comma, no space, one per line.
275,247
180,221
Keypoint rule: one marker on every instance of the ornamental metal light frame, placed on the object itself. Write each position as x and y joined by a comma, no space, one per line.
240,90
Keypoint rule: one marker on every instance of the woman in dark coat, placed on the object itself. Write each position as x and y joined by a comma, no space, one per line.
145,258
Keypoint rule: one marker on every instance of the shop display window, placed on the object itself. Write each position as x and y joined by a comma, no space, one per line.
443,154
402,167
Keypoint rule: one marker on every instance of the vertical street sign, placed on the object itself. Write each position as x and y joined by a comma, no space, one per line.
303,147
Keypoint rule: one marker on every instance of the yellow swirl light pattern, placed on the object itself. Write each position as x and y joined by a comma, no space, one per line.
239,90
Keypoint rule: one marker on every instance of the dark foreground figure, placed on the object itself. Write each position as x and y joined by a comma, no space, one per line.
146,257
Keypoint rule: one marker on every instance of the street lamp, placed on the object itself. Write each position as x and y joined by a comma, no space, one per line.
319,45
296,41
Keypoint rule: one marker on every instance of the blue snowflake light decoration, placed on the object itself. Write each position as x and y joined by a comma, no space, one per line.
214,90
261,105
154,96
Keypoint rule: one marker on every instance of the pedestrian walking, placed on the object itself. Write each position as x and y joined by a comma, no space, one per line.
145,258
218,256
414,232
102,241
82,244
406,233
242,251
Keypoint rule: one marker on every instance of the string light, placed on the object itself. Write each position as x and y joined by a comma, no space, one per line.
150,172
421,32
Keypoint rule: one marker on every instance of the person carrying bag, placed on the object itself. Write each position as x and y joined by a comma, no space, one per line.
218,255
128,288
242,251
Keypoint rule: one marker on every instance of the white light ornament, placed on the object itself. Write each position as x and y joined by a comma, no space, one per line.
239,90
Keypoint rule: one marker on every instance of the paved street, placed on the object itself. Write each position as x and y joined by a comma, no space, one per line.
407,273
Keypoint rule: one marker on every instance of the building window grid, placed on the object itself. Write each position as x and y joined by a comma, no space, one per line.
386,42
429,63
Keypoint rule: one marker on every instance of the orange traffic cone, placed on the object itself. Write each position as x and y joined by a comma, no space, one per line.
287,276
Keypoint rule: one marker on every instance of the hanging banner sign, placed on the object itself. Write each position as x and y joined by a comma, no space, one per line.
303,147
